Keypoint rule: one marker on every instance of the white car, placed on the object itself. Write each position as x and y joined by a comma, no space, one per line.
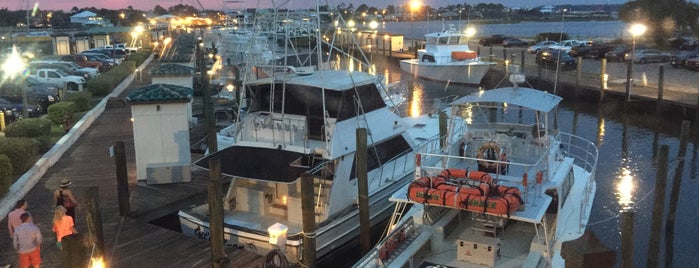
539,46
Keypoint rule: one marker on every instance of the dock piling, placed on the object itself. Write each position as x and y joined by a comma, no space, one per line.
93,218
661,82
122,178
363,191
658,207
309,220
627,223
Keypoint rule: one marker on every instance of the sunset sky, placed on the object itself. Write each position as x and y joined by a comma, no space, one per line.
219,4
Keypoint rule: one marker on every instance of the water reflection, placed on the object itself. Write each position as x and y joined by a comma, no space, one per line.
416,100
625,188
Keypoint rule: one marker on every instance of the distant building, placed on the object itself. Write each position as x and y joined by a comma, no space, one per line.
87,18
546,9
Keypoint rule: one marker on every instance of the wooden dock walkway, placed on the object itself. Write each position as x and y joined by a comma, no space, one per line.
129,241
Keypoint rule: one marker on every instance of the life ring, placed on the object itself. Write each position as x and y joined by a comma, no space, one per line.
488,153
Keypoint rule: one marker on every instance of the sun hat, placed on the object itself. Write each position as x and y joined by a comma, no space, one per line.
66,182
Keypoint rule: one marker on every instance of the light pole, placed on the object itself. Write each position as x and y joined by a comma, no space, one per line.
14,66
414,5
635,30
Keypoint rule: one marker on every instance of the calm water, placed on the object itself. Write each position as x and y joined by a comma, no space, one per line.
626,170
574,29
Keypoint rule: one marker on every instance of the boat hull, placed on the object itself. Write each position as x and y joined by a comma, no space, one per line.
453,72
331,236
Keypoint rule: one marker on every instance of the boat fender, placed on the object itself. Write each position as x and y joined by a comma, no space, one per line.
539,177
276,259
525,179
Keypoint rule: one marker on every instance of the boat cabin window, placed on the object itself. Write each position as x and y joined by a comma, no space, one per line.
431,40
443,40
454,40
383,152
305,101
427,58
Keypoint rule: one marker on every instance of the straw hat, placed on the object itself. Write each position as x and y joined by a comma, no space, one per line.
66,182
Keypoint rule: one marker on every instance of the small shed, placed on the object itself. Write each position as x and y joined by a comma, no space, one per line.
161,132
61,44
174,74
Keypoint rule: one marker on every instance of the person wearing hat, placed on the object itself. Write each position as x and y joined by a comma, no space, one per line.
64,197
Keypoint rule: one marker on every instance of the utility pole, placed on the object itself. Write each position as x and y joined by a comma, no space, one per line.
218,255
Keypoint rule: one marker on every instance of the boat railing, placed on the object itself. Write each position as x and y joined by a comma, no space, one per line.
585,154
263,127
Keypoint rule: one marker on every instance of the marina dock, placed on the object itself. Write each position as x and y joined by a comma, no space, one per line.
130,241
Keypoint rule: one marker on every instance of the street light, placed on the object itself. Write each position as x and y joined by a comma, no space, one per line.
14,66
635,30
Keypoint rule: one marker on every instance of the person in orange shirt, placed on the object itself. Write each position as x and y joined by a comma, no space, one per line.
62,225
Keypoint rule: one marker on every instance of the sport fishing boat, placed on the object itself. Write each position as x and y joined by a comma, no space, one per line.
506,193
447,58
306,123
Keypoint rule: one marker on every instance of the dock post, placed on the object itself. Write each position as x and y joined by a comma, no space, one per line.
93,218
442,129
491,54
478,51
603,79
675,194
122,178
578,68
696,111
504,54
363,191
309,220
658,207
218,256
629,80
521,64
627,222
390,47
661,87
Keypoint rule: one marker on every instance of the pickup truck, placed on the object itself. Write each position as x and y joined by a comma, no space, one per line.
58,78
84,62
124,47
67,66
593,50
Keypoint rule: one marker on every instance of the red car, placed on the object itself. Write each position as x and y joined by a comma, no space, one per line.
692,64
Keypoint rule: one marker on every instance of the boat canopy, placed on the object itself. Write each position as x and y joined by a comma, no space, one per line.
530,98
265,164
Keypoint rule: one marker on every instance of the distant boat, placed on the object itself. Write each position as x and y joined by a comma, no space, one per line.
447,58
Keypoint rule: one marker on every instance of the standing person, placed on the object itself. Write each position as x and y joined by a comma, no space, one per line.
64,197
62,225
13,218
27,242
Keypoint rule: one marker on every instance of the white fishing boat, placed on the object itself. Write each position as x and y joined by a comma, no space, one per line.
285,133
508,193
447,57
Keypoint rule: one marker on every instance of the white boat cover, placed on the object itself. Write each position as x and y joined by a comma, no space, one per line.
522,96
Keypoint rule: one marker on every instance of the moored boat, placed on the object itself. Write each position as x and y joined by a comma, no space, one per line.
448,58
540,189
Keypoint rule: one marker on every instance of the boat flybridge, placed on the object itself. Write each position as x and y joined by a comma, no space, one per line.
508,192
302,126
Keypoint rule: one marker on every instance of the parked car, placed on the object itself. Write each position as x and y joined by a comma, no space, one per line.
648,55
513,42
550,58
683,43
539,46
679,58
619,52
114,53
591,50
495,39
67,66
692,64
